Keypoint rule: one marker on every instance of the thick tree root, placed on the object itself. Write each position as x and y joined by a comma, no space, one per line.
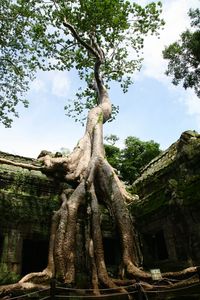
182,273
125,287
37,277
94,183
102,183
10,290
99,184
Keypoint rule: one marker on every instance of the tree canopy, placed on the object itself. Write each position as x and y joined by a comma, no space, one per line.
184,56
39,34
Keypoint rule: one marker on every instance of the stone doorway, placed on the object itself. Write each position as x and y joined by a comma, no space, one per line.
112,254
34,255
154,247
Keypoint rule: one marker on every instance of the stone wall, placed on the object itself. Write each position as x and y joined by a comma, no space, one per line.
27,200
168,209
167,212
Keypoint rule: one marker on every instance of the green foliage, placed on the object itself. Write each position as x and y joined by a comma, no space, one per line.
130,160
26,45
113,155
157,201
7,277
135,156
184,56
33,36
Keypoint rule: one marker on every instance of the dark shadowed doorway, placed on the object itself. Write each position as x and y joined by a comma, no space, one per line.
34,255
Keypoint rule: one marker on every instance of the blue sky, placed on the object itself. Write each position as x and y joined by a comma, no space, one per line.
152,109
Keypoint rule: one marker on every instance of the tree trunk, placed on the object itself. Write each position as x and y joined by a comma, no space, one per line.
94,181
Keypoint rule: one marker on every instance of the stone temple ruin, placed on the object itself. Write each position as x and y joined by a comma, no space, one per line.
166,213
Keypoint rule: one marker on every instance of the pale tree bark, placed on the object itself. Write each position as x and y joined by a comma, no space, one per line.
96,182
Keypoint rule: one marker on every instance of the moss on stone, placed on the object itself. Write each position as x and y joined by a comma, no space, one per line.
27,198
154,202
7,277
27,210
191,193
170,179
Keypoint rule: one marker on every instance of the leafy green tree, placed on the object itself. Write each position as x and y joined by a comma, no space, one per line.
184,56
113,155
135,156
130,160
38,34
29,41
102,40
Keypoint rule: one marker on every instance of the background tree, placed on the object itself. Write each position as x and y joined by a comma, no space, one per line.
184,56
21,53
135,156
113,153
130,160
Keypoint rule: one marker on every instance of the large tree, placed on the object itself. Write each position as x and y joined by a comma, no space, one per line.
102,40
184,56
39,34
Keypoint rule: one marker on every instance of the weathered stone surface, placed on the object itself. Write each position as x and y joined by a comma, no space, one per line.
167,212
168,209
27,200
26,197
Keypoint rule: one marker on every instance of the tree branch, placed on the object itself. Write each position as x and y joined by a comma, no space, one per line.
80,40
16,69
22,165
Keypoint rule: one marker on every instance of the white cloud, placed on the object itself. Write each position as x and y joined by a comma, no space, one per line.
192,105
55,82
60,84
177,20
175,14
38,86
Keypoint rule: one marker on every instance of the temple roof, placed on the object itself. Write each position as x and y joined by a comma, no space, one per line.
169,156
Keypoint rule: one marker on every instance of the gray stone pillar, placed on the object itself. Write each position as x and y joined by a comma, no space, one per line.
12,251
